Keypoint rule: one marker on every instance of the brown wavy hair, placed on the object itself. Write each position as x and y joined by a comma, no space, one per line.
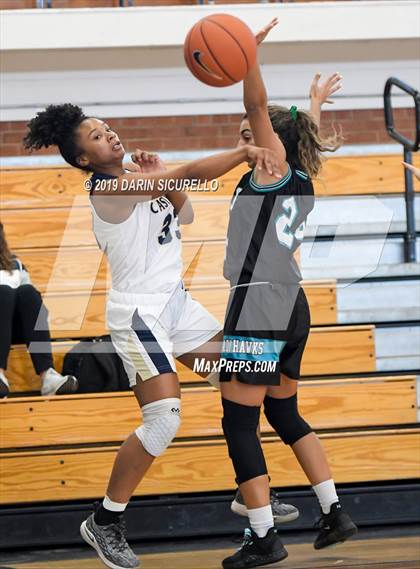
303,143
6,256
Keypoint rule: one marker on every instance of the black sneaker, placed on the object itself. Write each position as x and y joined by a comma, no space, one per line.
282,513
334,527
256,551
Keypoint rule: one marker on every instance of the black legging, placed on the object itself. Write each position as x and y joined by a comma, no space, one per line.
20,309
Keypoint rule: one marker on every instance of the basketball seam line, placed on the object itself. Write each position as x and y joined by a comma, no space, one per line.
234,39
216,60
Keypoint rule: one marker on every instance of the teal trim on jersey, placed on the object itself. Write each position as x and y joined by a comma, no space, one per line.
271,349
301,174
270,187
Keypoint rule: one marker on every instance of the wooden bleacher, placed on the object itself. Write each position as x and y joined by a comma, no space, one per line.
111,417
62,448
199,456
202,466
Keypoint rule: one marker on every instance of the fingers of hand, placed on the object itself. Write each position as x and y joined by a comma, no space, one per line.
333,80
148,157
260,160
276,167
132,167
334,77
315,80
136,156
271,24
262,34
267,163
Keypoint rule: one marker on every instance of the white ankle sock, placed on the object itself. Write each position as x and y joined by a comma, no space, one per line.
261,520
326,494
113,506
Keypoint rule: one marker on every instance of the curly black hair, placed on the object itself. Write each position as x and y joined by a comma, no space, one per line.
56,125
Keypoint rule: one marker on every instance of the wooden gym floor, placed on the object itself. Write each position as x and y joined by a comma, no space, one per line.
365,552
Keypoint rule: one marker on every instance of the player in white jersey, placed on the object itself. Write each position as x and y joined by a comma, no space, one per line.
150,315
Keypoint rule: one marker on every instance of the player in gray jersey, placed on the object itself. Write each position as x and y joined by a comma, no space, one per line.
268,320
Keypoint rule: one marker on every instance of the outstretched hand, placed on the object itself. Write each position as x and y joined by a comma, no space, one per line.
322,92
262,34
145,162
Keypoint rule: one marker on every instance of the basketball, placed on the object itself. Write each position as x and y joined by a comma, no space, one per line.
220,50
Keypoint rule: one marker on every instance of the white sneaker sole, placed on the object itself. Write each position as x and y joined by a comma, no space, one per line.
240,510
90,540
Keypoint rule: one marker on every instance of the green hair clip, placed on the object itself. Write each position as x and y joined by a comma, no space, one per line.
293,111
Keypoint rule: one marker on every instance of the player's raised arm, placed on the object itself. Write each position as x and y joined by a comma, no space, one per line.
255,102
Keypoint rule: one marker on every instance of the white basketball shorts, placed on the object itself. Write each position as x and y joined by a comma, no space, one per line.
149,331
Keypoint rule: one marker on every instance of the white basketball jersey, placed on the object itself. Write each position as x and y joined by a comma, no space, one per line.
144,251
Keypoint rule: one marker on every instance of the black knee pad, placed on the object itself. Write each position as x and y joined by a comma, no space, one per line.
283,416
240,428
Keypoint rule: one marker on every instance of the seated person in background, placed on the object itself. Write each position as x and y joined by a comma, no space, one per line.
20,306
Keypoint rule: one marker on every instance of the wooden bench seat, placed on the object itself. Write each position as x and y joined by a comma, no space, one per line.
330,350
204,466
110,417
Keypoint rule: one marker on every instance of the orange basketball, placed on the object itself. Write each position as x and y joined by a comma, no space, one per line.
219,50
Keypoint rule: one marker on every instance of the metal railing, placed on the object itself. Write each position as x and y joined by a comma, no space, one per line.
409,147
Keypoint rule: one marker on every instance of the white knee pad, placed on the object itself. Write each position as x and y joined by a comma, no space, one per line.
161,421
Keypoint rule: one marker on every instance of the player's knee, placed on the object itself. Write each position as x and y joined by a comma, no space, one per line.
283,416
240,428
161,421
27,293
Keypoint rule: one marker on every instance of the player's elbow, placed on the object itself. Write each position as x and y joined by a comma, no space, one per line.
186,214
186,219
